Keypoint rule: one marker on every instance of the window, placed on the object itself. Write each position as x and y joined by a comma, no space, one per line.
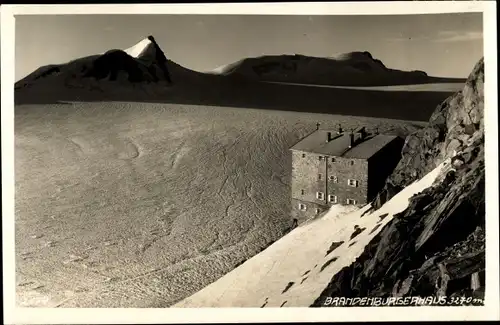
302,207
351,162
320,176
332,198
351,201
302,192
318,211
333,159
320,158
320,195
333,178
303,155
352,182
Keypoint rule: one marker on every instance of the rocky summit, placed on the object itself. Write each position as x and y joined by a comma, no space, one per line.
436,247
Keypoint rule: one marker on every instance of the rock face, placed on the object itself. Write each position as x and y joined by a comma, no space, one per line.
155,55
113,62
436,246
454,124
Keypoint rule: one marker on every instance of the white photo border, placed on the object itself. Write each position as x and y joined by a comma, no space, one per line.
16,315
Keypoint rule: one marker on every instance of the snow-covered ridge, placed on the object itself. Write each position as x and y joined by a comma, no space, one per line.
138,49
294,270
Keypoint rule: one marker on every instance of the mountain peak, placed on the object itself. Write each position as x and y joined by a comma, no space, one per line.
148,50
142,48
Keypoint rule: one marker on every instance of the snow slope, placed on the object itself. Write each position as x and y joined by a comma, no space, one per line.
293,271
139,48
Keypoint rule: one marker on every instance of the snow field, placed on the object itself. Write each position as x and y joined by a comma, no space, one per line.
141,205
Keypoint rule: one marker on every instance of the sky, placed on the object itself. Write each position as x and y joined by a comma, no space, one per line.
445,45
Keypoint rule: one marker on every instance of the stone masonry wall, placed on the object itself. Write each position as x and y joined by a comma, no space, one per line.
310,211
310,175
305,177
344,169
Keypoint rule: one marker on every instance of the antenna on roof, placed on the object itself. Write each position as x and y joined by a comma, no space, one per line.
317,126
362,132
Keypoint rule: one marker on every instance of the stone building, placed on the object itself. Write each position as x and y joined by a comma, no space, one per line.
336,167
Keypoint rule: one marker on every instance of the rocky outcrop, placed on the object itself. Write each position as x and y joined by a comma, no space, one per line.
452,126
436,246
155,55
112,63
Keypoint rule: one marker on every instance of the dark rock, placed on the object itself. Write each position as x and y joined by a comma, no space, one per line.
330,261
159,58
288,286
438,117
436,245
449,126
370,210
383,216
357,231
375,228
457,162
470,129
334,246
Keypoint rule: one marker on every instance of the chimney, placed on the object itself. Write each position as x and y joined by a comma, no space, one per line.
351,140
340,129
329,137
317,126
362,133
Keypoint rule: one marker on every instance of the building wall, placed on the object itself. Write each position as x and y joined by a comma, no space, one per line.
369,174
310,211
305,172
381,166
344,169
